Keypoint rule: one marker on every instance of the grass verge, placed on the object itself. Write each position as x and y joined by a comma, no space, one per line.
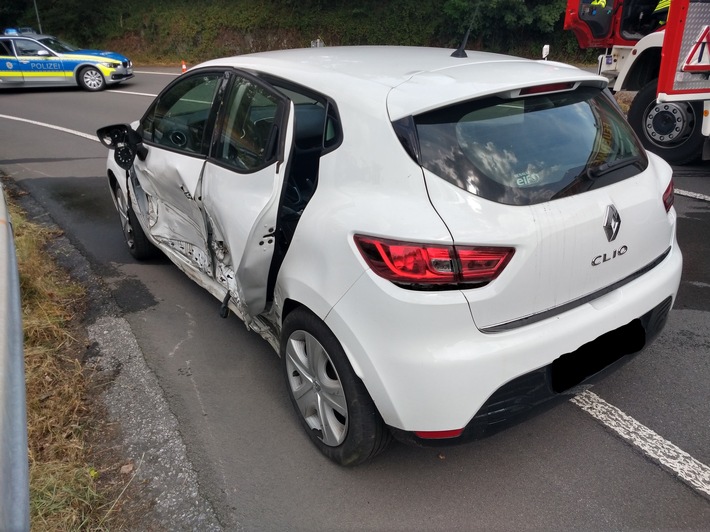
68,490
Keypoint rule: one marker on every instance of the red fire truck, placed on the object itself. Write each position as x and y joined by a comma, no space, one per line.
667,61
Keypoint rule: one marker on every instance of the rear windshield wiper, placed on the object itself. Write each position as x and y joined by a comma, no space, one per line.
587,179
593,172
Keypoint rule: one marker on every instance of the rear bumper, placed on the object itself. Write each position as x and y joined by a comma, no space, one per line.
428,368
527,395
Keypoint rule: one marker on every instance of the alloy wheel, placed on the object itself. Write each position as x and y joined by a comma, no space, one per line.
316,388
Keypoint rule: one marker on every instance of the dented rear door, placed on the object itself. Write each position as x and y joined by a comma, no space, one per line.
242,185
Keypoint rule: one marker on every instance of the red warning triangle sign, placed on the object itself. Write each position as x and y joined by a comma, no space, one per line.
698,60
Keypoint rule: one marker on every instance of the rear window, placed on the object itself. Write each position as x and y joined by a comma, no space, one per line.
530,150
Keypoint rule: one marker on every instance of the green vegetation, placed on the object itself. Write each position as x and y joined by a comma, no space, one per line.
167,31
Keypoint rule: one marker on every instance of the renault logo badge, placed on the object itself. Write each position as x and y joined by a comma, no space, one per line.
612,223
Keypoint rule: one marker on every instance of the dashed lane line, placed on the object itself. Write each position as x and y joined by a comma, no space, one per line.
694,473
689,194
173,74
132,93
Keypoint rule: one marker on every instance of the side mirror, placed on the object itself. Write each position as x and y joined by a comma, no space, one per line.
43,53
112,136
125,142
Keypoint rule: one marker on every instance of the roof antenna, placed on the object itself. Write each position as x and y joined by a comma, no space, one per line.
461,50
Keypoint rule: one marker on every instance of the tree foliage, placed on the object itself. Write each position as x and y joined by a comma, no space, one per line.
501,23
200,29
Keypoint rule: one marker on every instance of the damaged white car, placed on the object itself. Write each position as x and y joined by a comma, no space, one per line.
434,244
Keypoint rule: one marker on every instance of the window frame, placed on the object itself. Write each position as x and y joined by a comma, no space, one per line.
277,147
39,45
331,108
468,174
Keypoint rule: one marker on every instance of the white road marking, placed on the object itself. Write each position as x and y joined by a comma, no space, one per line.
685,467
133,93
176,74
50,126
695,195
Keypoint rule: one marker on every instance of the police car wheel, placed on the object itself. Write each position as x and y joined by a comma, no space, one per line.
91,79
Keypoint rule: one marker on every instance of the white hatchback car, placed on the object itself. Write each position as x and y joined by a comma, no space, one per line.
433,244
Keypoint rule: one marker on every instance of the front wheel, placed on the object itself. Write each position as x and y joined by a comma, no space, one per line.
671,129
333,404
138,244
91,79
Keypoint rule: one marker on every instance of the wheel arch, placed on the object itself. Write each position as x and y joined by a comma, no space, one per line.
115,182
644,69
112,179
80,68
366,434
291,305
375,387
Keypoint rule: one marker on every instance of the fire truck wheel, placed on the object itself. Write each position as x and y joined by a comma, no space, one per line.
671,130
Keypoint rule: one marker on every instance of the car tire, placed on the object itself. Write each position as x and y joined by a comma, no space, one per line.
672,130
332,403
91,79
138,244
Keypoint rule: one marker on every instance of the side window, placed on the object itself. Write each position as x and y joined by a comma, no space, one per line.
248,137
317,122
179,118
26,47
5,49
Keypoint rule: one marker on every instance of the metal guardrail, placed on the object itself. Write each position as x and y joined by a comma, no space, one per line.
14,470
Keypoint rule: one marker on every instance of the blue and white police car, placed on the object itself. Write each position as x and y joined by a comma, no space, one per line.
29,59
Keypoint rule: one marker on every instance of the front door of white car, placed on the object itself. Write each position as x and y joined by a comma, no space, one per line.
178,143
218,146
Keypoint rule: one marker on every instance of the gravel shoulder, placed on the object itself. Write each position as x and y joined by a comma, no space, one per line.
139,434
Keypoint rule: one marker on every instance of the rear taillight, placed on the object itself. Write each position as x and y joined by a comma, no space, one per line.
431,264
668,197
482,264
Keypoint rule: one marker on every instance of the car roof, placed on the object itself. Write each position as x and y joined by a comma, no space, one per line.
409,80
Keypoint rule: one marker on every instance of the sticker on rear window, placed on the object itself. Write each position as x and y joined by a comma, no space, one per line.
527,179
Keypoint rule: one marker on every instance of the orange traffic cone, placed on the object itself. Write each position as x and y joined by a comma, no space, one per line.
184,67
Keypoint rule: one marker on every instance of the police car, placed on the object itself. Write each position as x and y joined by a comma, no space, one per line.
29,59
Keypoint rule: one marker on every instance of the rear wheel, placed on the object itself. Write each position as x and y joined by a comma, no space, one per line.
671,130
333,404
138,244
91,79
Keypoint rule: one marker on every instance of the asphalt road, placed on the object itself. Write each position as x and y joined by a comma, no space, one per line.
217,399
